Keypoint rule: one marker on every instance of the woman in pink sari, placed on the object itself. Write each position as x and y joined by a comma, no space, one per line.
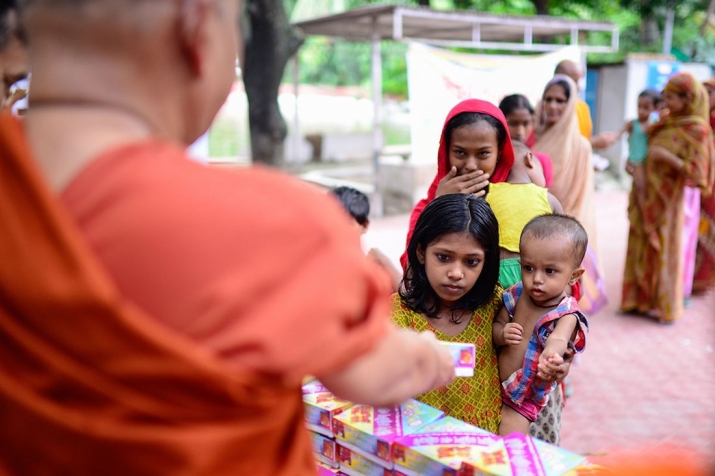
704,278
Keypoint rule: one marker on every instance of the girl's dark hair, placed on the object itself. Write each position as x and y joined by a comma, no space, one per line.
469,118
515,102
453,213
651,94
564,84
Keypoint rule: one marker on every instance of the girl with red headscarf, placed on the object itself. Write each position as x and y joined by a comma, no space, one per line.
474,149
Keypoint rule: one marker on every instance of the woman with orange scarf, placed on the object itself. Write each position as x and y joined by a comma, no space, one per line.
705,256
681,153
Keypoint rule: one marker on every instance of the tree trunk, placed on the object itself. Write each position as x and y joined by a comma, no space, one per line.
270,44
463,4
649,31
542,6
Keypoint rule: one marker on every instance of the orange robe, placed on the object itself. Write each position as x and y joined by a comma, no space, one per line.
585,124
91,383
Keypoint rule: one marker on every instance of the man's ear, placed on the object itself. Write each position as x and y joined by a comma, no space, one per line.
576,275
420,254
193,21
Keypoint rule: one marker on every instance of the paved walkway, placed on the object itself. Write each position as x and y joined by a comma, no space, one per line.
639,384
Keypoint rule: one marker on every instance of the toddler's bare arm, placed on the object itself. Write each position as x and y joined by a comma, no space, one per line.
558,342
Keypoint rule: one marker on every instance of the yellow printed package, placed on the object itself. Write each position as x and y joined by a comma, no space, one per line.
320,407
371,431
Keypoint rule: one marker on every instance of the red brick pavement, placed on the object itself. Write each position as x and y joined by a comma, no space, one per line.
641,384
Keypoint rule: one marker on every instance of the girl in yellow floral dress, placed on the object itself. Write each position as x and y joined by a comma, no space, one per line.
453,265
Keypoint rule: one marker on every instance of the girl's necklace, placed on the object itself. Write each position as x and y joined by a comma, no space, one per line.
452,317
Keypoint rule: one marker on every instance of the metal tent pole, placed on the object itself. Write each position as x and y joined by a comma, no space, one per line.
296,119
376,66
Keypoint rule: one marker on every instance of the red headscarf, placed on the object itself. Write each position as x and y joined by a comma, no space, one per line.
501,172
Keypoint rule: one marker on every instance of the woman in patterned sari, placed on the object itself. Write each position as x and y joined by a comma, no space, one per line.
681,153
705,256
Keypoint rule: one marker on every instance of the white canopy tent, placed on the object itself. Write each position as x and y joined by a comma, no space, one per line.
464,28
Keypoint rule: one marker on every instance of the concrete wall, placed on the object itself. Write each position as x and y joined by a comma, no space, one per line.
404,183
612,92
700,71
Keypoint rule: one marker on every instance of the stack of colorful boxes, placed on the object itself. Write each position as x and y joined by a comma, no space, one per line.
321,407
366,435
440,448
520,455
415,439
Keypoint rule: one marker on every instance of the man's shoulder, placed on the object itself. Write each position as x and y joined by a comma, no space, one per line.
159,186
583,105
158,168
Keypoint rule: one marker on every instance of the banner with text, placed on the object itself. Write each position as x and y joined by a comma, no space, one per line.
438,79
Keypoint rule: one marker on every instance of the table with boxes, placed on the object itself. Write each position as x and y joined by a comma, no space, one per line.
415,439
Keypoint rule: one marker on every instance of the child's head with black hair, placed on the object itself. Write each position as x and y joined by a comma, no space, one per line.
551,249
648,101
519,116
453,257
355,203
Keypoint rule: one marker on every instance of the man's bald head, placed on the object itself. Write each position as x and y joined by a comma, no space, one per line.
171,62
570,69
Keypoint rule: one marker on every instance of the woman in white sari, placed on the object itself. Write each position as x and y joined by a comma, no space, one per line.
558,135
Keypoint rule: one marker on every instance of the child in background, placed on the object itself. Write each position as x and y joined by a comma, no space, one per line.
514,203
637,130
357,205
453,291
520,119
539,321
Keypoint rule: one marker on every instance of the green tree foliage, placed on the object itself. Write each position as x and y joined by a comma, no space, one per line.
641,24
346,63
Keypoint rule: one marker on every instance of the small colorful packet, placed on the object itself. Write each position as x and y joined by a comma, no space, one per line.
353,463
463,356
439,448
521,455
371,431
324,449
325,470
320,407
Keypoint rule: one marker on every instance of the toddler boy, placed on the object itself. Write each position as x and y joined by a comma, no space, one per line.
540,321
